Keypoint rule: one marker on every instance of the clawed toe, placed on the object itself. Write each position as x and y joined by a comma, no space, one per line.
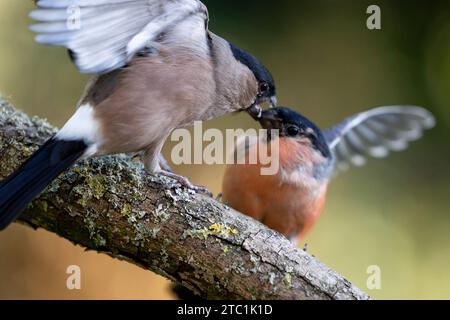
185,182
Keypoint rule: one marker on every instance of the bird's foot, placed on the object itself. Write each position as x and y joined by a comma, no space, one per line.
185,182
219,197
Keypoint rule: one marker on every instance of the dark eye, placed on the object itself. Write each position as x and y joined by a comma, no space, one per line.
264,87
292,131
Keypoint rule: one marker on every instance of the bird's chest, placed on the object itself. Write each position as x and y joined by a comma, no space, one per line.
288,198
292,209
292,200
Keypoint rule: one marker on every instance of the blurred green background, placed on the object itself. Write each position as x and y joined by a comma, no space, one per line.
328,65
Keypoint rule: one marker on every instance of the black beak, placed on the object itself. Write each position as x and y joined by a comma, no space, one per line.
273,102
256,111
270,119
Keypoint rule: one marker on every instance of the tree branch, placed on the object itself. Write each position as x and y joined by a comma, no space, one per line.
111,205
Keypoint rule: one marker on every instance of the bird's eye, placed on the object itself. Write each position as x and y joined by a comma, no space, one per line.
292,131
264,87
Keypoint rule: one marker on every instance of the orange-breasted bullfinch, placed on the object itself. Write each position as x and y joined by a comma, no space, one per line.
156,67
292,200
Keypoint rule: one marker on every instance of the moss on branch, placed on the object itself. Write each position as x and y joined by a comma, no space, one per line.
112,206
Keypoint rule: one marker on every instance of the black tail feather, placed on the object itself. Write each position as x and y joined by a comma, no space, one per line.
27,182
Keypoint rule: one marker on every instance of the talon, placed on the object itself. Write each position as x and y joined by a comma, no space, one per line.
204,190
185,182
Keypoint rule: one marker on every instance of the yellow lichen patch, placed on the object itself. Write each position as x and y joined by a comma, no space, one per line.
97,186
199,234
77,169
126,210
93,186
218,229
213,230
27,151
287,279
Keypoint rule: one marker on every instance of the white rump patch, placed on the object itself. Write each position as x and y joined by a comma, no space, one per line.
82,127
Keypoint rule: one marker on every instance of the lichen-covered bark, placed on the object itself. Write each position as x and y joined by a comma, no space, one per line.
111,205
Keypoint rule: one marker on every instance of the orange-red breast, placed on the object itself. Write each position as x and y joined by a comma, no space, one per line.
291,200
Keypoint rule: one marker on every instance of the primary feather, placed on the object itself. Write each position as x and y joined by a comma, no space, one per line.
376,133
103,35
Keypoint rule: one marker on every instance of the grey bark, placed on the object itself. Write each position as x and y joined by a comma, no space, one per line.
112,206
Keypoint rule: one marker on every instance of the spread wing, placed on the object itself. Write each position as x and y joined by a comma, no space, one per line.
376,133
103,35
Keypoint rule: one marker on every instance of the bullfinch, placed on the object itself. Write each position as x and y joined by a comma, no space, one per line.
291,200
155,67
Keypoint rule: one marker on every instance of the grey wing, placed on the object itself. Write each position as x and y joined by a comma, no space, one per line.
376,133
103,35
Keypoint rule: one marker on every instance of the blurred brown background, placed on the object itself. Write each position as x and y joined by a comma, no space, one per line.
328,65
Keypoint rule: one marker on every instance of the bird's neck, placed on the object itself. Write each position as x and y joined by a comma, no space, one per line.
236,86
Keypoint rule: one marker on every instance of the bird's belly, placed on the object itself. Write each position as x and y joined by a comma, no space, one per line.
293,213
152,98
288,209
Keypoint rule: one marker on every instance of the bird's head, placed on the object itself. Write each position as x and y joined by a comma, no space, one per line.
266,84
292,125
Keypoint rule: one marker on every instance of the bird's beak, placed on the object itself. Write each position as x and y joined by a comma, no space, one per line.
270,119
256,111
273,102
